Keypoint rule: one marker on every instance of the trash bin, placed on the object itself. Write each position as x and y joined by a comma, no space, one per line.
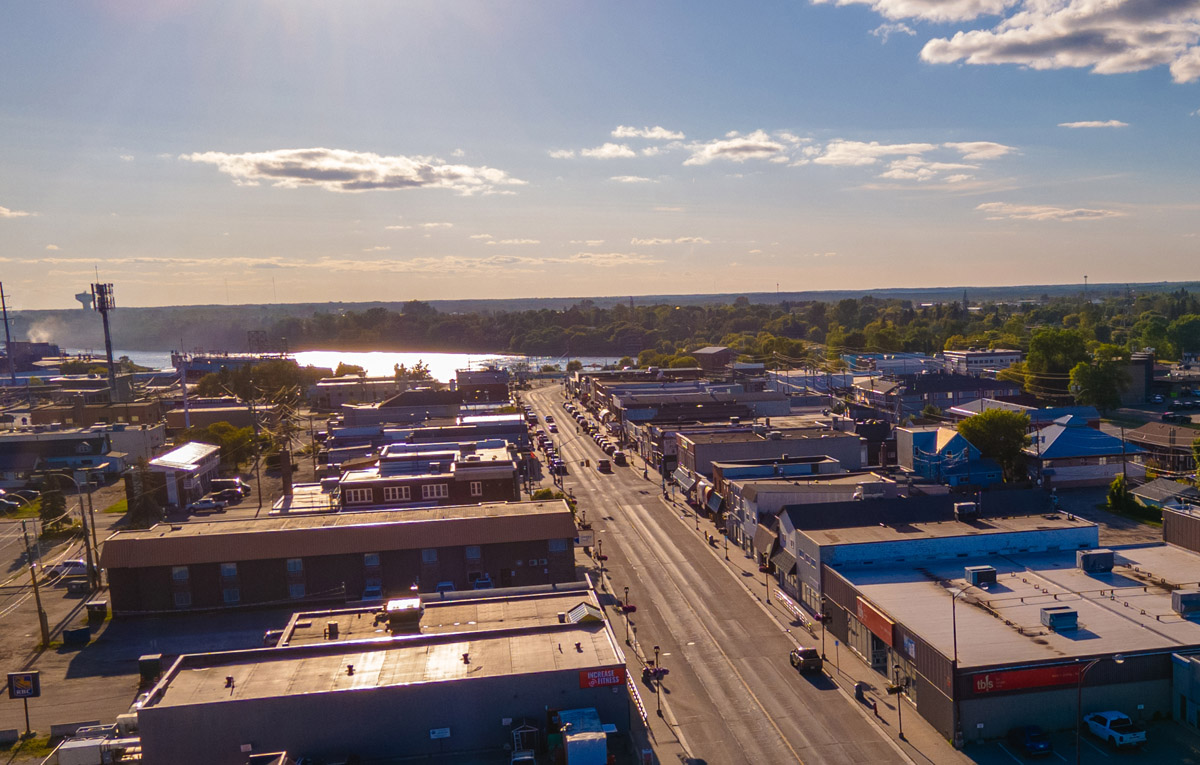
77,637
97,610
860,691
150,667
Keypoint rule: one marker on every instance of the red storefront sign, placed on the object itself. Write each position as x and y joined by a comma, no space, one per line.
875,621
597,678
1017,679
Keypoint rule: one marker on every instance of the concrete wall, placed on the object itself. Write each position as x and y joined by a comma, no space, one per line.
373,723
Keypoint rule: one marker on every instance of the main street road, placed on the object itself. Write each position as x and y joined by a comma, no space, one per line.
731,692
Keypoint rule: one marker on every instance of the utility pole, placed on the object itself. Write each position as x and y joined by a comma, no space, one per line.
8,351
37,594
1124,474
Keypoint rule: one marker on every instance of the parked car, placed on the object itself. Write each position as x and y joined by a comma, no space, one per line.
206,505
66,568
1031,741
29,494
228,496
1157,398
1116,728
553,428
9,505
271,638
549,419
220,484
603,466
618,458
806,659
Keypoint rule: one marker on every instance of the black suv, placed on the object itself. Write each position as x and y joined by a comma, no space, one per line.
806,659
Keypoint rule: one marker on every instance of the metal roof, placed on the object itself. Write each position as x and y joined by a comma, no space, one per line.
187,457
1071,437
337,533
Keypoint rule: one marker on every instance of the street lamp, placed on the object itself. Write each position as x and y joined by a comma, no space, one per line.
1117,659
625,610
657,681
954,666
93,579
899,701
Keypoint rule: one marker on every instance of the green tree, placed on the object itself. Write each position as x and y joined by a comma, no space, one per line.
237,444
1000,435
1119,498
1184,333
347,370
1196,452
54,508
1101,382
575,365
144,510
418,372
1053,353
626,361
684,362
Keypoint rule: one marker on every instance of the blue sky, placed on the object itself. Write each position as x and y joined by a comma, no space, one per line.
303,150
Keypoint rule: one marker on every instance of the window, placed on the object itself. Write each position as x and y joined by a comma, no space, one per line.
179,573
396,493
295,565
228,570
558,545
429,555
371,560
183,600
435,491
359,496
232,595
295,590
476,488
473,552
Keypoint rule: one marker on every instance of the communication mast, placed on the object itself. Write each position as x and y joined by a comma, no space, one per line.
102,294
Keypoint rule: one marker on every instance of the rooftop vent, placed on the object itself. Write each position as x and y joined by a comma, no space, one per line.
966,511
1060,618
1094,561
1186,603
980,575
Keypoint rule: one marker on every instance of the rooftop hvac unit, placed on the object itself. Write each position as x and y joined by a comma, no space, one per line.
1060,618
980,575
966,511
775,435
1094,561
404,615
1186,602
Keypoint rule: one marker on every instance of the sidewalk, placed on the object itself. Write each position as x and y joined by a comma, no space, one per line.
920,742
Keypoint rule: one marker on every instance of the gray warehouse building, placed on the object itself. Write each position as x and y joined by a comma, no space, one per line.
477,668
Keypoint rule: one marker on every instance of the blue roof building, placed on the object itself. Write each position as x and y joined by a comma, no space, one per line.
1070,453
944,455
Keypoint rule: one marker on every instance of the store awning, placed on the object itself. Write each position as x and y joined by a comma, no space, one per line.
784,561
764,539
684,479
714,502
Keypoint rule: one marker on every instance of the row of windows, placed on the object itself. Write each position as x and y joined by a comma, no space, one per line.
181,574
365,496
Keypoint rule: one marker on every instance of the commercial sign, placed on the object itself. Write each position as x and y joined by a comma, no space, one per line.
1018,679
436,733
874,620
586,538
24,685
598,678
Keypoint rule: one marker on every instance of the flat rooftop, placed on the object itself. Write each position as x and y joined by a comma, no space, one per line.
785,484
790,434
312,535
1125,611
280,672
470,611
943,529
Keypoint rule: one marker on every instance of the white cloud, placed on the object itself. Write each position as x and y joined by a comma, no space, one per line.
884,31
930,10
458,153
824,254
735,147
980,149
652,151
52,247
613,259
588,242
1109,37
126,157
1095,124
919,169
609,151
1006,211
439,224
631,179
655,133
842,153
517,241
563,153
480,236
397,228
377,248
958,178
668,208
680,240
754,252
792,138
350,171
7,213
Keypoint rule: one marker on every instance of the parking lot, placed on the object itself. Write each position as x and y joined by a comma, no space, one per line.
1166,742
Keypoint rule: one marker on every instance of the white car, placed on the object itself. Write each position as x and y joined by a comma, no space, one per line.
206,505
66,568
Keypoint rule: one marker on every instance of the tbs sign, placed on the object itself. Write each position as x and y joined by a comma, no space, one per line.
598,678
24,685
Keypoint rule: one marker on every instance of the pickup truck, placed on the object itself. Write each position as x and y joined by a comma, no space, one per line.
1116,728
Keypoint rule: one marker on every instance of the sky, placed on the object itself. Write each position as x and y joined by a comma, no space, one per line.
260,151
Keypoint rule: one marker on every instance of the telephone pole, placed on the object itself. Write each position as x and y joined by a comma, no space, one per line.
37,594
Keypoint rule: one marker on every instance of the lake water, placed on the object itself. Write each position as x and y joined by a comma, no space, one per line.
441,365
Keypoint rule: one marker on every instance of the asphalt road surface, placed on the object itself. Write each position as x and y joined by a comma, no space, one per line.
731,692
